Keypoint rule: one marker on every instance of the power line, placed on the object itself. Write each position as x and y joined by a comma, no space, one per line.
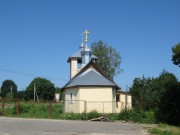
32,75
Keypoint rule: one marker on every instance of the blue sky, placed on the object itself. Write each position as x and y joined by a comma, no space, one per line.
38,36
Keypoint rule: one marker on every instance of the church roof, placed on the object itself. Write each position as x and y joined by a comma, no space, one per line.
90,75
79,56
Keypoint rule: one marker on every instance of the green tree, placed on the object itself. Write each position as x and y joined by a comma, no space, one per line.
19,95
58,90
109,58
141,93
147,92
169,107
9,96
168,98
176,54
45,89
8,86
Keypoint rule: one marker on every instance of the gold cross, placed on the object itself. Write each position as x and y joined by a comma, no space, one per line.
86,38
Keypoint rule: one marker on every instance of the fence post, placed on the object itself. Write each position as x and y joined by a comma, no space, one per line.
2,105
85,106
103,107
50,107
67,105
17,106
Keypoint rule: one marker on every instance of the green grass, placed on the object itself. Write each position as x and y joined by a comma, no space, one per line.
112,116
41,110
163,129
31,110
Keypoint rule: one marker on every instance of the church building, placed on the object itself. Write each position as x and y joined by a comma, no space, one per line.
89,88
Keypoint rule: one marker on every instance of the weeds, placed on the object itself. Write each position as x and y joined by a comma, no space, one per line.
137,115
42,110
163,129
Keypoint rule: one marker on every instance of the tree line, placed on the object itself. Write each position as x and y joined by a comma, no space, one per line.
44,88
161,94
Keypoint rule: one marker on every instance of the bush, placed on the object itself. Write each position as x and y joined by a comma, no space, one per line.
113,116
126,115
93,114
40,110
72,116
137,115
23,108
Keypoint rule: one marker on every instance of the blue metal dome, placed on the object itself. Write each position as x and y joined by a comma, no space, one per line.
87,50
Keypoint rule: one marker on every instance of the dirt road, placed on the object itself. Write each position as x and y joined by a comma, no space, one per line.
17,126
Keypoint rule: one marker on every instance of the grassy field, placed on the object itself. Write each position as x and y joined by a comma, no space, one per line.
163,129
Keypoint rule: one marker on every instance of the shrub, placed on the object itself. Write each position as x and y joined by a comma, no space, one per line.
126,115
137,115
113,116
93,114
36,110
72,116
23,108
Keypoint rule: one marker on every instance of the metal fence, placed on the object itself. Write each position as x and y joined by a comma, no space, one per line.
82,106
16,106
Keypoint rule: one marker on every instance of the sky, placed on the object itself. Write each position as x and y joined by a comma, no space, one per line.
38,36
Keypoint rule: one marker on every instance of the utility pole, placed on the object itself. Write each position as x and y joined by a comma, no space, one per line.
34,92
11,88
37,96
126,97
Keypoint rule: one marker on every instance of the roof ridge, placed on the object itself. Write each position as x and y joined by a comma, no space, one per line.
96,78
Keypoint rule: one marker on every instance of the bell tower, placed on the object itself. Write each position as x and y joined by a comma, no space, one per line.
82,57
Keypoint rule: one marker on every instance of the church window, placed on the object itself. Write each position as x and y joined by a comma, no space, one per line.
117,98
71,98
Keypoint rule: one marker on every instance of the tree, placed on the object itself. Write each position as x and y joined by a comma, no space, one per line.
176,54
109,58
58,90
142,93
19,95
147,92
45,89
8,86
169,103
169,107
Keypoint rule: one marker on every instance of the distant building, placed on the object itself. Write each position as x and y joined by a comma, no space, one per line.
89,87
57,97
